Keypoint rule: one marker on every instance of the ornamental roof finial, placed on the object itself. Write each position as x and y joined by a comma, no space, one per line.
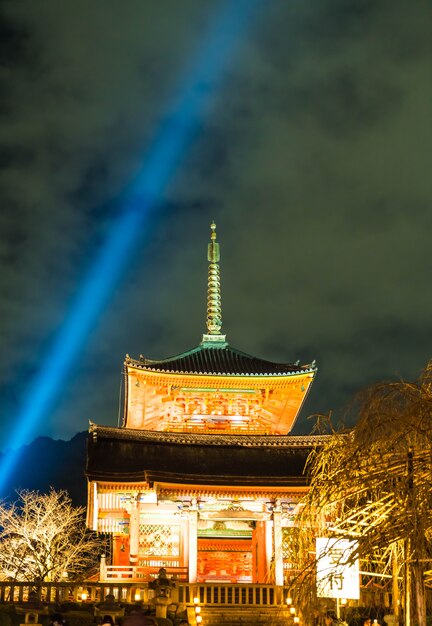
214,306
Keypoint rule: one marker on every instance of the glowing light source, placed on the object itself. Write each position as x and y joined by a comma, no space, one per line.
197,609
84,596
196,600
169,143
289,601
137,596
198,619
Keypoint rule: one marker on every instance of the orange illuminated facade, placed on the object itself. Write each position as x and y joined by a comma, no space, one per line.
203,478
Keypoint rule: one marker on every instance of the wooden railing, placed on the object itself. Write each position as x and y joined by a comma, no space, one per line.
222,594
124,592
141,573
60,593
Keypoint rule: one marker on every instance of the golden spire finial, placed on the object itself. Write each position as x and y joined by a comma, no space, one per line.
214,308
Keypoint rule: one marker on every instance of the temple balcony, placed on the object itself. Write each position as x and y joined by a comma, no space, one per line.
221,604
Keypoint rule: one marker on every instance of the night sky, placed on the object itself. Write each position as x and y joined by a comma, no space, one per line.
313,158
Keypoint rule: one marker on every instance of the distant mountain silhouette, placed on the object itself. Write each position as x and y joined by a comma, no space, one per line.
46,463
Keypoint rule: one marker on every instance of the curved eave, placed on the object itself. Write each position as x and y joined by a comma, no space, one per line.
197,377
214,372
211,480
202,439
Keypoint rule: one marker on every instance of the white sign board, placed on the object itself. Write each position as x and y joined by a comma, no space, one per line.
336,579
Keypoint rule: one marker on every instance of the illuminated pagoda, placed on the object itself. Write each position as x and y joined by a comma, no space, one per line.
203,477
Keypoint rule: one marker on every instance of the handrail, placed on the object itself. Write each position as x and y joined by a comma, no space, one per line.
139,573
125,591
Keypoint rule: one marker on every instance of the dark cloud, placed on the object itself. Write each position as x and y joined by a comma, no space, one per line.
313,158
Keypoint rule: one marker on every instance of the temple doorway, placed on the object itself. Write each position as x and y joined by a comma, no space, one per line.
225,560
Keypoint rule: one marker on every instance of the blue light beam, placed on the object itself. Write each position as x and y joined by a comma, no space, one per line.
166,150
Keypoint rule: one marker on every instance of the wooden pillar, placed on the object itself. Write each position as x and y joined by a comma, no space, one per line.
95,507
395,582
102,568
193,542
134,530
269,551
259,553
184,562
277,541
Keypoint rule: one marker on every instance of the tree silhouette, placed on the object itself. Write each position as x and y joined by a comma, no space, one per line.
372,484
44,538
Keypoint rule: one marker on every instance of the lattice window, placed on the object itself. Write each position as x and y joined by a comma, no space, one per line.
286,543
289,562
159,540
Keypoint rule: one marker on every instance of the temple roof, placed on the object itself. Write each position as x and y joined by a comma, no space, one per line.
123,455
220,359
214,386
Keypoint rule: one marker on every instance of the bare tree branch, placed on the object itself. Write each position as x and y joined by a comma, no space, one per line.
373,485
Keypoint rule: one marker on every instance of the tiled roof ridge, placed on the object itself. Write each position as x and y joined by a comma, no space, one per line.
197,348
207,439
